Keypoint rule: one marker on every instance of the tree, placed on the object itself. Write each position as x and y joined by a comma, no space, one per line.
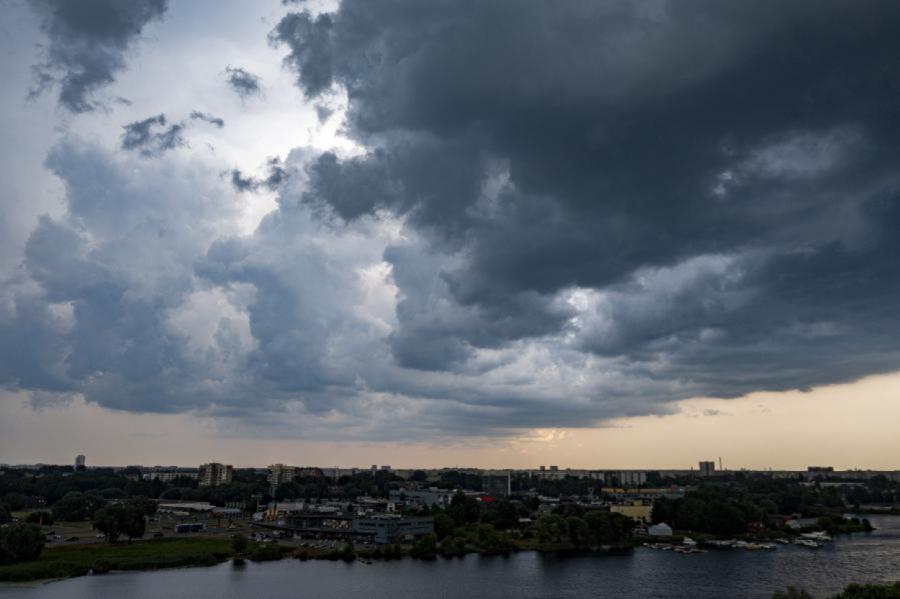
503,515
552,529
348,553
487,538
463,509
119,519
443,524
425,547
45,518
14,501
664,510
71,508
20,542
239,544
608,529
579,533
5,516
451,547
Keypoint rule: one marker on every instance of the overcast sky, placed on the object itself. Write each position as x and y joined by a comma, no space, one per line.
416,225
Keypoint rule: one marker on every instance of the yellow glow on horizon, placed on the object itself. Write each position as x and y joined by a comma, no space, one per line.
854,425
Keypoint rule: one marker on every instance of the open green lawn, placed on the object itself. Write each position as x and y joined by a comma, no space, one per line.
77,560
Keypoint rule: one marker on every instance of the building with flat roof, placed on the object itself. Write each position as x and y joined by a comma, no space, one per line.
638,511
215,474
421,497
497,485
79,461
387,528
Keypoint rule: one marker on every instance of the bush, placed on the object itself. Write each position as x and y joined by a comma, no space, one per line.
20,542
451,547
348,553
5,516
265,553
101,566
239,543
425,547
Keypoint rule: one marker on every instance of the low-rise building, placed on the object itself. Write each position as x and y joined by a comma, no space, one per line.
497,485
638,511
421,497
386,528
167,475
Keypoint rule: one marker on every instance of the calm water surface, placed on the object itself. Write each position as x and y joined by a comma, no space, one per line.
643,573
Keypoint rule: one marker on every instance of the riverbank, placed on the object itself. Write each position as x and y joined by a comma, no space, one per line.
869,558
62,562
155,554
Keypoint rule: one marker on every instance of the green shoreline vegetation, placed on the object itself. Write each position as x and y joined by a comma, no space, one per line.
153,554
65,509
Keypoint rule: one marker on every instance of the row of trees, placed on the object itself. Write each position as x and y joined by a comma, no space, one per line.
708,510
595,528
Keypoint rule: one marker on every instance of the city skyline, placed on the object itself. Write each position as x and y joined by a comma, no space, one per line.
427,235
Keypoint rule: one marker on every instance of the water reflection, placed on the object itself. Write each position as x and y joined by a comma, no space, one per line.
638,574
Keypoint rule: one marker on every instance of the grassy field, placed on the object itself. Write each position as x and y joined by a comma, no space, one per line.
78,560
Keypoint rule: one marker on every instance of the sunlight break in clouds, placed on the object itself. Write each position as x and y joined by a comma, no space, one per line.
332,222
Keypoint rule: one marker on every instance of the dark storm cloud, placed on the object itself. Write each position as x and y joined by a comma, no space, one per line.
87,44
152,136
309,40
605,146
562,212
243,82
208,118
143,137
277,174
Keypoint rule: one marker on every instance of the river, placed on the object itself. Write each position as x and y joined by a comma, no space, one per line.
873,557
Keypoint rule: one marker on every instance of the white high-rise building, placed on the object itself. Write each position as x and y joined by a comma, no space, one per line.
79,461
279,473
215,474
